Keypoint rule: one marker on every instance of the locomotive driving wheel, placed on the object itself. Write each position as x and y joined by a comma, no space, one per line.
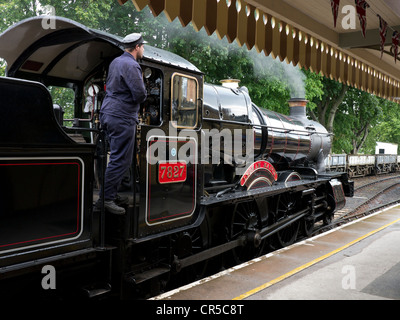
246,222
286,206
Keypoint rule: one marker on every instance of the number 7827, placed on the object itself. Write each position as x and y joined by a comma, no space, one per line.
172,172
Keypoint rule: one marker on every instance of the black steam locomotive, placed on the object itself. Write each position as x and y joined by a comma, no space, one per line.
214,178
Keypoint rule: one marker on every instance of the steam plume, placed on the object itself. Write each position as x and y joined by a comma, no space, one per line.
267,66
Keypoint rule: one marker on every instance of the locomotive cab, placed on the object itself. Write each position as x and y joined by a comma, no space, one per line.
74,57
51,153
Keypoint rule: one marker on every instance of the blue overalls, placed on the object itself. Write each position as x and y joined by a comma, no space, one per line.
125,91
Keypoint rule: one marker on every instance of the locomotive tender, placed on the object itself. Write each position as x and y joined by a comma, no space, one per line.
189,204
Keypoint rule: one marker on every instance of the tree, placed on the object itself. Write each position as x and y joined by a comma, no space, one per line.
359,112
88,12
12,11
2,67
328,103
388,128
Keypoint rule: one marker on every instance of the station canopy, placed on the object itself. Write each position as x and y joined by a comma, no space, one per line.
303,33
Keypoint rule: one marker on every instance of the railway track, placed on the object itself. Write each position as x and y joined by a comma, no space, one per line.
369,197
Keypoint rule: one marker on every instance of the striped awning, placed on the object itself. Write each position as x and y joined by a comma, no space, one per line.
291,31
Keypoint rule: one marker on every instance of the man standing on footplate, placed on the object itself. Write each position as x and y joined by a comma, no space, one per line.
125,91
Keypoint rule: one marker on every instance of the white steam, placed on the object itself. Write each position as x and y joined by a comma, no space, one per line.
292,76
264,66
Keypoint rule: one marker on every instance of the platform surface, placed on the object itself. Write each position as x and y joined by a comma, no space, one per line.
357,261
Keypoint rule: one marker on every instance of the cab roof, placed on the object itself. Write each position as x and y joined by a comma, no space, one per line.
67,50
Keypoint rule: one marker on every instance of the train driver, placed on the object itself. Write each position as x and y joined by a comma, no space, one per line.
125,91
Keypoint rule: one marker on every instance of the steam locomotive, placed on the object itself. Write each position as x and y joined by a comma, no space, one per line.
199,196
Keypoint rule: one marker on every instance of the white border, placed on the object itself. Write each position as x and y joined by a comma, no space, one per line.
147,179
82,187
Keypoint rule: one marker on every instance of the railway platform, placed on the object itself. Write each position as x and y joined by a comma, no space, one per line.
357,261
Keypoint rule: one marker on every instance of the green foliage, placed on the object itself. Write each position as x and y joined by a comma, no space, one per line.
358,114
2,68
65,98
314,88
12,11
388,127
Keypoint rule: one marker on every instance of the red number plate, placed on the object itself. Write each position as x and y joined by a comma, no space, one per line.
171,172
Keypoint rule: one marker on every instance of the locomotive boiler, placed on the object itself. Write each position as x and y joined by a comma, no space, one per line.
215,179
282,140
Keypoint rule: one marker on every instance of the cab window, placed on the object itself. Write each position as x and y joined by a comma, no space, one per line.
184,109
63,97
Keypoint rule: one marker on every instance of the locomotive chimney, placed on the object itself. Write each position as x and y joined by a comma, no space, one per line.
298,107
